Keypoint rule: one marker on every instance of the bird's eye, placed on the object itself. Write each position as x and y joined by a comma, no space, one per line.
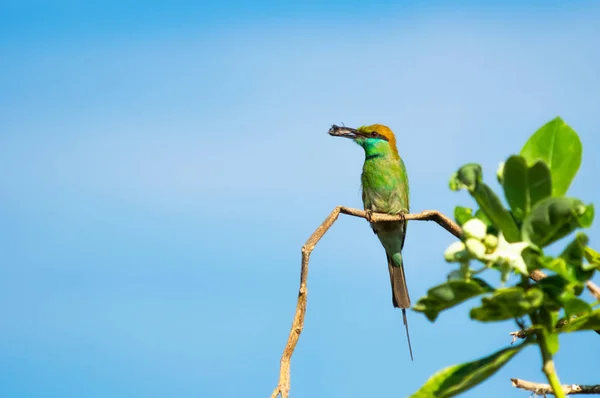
374,134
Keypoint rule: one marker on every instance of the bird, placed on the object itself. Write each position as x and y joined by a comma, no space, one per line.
384,190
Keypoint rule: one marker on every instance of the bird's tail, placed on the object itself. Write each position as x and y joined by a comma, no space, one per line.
400,297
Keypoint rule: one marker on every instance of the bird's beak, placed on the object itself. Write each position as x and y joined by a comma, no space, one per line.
346,132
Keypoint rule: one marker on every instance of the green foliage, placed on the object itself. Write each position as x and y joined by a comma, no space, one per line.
573,256
592,256
511,240
558,145
589,321
459,378
554,218
470,177
574,306
462,214
554,288
508,303
450,294
525,186
481,215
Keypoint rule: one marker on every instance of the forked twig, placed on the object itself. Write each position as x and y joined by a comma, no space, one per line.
283,386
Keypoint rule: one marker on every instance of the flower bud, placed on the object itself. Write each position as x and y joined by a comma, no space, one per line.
456,252
475,228
490,242
475,247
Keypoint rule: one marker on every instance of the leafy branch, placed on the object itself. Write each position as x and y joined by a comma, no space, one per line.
511,240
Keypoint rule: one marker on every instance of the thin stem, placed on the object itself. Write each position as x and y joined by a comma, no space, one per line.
479,271
547,361
549,369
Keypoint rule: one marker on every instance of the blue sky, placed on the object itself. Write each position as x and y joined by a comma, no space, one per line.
163,164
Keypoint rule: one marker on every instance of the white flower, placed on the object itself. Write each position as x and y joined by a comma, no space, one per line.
509,253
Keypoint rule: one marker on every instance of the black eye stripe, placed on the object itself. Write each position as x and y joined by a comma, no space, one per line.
375,134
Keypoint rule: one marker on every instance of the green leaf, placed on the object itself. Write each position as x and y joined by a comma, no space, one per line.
592,256
449,294
481,215
553,286
492,207
469,177
558,145
532,256
525,186
462,214
573,256
456,379
540,182
574,306
516,187
553,218
590,321
574,251
587,218
561,267
508,303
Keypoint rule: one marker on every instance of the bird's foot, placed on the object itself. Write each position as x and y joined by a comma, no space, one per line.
402,215
369,215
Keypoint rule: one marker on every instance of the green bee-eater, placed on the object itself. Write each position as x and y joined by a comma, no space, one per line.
384,190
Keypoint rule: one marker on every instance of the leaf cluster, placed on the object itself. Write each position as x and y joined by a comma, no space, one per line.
514,240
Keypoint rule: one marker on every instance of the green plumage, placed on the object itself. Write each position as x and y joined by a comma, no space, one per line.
384,179
385,190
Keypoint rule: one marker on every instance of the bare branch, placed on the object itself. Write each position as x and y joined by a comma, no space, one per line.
283,386
545,389
427,215
594,289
